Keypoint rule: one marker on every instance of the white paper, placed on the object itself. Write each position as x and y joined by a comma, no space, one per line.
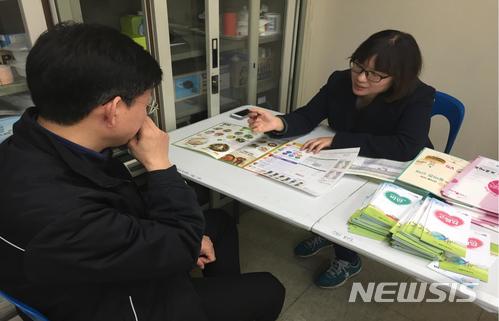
444,221
393,200
463,279
314,174
379,168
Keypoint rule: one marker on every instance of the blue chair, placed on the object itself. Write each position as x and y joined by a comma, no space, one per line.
453,110
34,314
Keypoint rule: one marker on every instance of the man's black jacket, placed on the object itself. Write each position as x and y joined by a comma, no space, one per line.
79,242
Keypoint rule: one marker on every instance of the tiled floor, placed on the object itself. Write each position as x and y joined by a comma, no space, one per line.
267,245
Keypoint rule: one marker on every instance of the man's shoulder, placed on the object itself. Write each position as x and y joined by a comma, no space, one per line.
37,189
29,172
18,156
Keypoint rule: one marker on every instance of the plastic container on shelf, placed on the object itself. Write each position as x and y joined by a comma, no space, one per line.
262,26
274,23
242,22
19,52
20,68
21,55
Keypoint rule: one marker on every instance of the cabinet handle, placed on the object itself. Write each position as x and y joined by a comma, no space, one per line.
214,53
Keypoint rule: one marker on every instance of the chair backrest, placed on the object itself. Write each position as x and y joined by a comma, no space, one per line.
453,110
34,314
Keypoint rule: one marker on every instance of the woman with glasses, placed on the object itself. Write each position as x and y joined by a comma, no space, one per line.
379,104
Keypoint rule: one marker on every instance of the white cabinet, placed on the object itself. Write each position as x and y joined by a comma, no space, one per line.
21,22
215,54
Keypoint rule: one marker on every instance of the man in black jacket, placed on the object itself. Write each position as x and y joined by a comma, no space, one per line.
78,240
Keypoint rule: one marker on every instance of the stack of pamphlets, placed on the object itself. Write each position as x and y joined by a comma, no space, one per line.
476,262
406,234
441,232
477,189
463,279
446,228
378,168
388,204
430,171
431,228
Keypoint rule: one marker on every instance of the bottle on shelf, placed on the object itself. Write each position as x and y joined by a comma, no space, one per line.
242,21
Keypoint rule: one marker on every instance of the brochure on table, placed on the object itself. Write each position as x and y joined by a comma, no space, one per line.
391,202
388,204
447,228
477,261
430,171
231,143
470,282
477,185
276,159
314,174
379,168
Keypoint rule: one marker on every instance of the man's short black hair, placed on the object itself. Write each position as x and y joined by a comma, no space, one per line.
75,67
397,54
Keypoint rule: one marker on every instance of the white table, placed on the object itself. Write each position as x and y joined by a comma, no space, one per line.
258,192
325,215
333,226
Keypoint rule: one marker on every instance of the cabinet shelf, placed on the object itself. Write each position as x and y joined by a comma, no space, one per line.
266,84
194,42
229,98
18,86
261,39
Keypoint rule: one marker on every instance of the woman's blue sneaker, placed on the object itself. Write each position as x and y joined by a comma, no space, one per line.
338,273
311,246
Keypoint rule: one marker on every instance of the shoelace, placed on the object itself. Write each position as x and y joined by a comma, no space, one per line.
314,241
337,267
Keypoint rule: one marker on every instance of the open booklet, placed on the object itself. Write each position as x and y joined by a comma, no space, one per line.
276,159
231,143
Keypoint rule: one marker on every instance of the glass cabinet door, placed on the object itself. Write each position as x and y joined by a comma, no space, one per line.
270,52
16,38
215,55
234,53
253,45
187,34
126,16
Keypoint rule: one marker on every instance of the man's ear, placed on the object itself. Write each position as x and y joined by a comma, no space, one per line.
111,111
